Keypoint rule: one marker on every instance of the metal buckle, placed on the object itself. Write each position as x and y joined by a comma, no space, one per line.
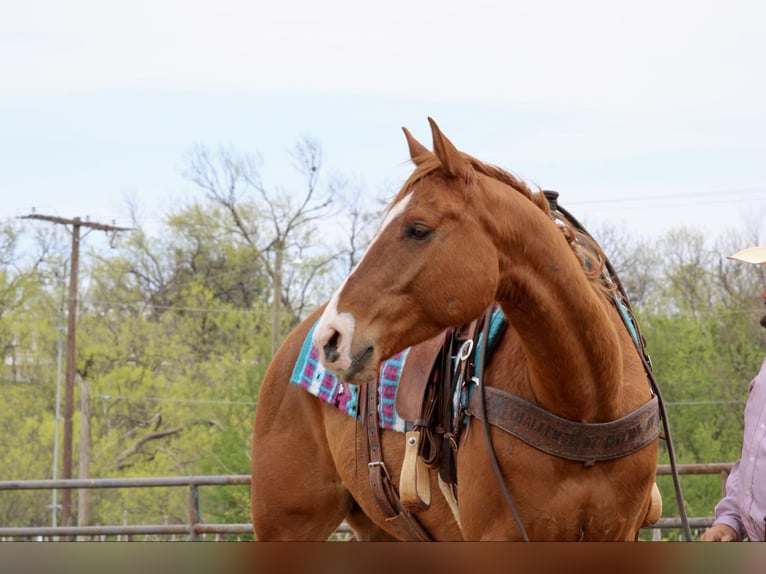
465,349
382,465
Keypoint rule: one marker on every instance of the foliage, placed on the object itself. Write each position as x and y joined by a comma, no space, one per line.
700,321
176,327
174,332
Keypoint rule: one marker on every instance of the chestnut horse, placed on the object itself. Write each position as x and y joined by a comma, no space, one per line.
459,236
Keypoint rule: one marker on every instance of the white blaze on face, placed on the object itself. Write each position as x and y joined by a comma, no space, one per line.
341,325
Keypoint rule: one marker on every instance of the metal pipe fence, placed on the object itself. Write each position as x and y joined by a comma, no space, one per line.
195,529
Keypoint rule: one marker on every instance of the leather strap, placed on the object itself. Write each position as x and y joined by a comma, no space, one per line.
588,443
414,480
406,526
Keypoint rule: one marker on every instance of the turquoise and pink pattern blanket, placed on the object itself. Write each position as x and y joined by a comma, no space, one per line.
312,376
309,373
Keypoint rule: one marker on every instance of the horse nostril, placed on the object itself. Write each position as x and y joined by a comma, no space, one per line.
331,348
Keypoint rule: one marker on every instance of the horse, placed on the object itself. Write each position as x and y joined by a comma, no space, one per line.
461,236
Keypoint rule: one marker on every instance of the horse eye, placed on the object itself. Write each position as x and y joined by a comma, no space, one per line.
418,232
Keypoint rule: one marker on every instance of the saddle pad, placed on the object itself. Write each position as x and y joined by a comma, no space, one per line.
309,374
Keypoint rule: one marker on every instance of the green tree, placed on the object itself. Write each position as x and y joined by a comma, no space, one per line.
706,346
30,321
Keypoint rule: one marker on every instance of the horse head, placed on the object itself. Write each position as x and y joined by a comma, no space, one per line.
432,264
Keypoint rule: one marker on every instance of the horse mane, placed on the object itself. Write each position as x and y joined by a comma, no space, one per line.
590,255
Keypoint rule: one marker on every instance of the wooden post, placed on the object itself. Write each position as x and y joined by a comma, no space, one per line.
69,372
83,514
71,342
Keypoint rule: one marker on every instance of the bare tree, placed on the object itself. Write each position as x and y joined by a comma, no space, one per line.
276,223
632,259
742,284
687,273
359,224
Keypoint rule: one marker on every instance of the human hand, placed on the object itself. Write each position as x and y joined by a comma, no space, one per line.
719,533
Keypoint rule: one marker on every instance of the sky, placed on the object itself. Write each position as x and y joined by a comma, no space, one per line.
648,116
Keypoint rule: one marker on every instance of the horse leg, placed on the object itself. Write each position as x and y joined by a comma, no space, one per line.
296,491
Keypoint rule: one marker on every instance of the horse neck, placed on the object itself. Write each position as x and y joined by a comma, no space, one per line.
563,322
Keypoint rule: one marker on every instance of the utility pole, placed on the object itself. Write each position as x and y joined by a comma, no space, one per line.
59,362
82,495
69,375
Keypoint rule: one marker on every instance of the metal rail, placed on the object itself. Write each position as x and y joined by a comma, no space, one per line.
195,527
722,468
76,483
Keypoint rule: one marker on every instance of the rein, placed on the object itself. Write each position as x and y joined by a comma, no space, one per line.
632,326
487,436
397,514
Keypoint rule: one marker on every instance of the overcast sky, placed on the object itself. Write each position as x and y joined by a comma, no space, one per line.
650,115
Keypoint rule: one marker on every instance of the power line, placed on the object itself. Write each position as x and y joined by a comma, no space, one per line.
664,201
106,397
719,196
237,310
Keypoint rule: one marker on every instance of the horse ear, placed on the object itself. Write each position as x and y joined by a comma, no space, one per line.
418,152
451,159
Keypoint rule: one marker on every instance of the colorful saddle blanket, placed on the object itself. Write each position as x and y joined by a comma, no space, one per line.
312,376
309,373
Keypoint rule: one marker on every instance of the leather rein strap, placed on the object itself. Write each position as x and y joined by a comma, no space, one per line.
481,410
404,523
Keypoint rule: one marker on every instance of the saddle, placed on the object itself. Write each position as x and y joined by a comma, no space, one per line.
439,398
426,397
